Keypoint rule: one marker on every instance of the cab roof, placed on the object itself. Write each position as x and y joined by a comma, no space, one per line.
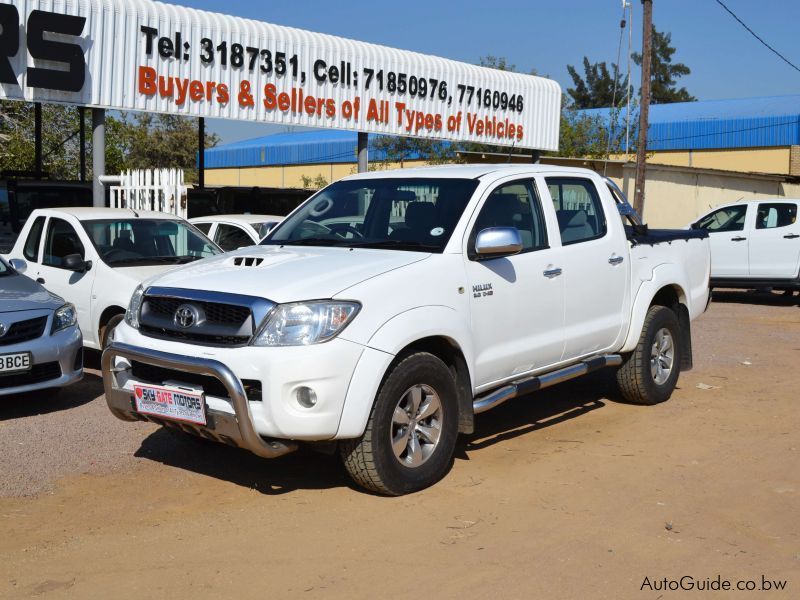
89,213
472,171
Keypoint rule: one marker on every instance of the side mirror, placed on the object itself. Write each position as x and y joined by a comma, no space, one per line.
498,241
695,225
75,262
19,265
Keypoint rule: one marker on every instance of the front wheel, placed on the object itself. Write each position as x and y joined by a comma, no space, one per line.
410,438
650,372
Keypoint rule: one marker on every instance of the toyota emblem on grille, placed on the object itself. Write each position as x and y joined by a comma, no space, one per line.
186,316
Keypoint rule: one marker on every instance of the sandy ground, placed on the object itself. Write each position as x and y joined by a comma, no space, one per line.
564,494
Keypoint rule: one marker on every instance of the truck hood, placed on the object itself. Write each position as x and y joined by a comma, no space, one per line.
143,273
288,273
18,292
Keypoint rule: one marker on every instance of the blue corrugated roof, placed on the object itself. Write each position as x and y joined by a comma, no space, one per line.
735,123
719,124
324,146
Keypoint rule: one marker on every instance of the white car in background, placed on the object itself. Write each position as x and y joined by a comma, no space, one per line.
754,244
231,232
96,257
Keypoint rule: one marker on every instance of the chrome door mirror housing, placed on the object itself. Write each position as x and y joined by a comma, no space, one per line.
19,265
495,242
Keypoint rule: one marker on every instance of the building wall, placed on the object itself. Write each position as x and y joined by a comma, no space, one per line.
744,160
291,176
675,196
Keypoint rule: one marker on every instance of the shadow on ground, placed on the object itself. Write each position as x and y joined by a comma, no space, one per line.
42,402
756,297
307,469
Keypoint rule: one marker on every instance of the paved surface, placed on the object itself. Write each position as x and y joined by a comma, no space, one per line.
564,494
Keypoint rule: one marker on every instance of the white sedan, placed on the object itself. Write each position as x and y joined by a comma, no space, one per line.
754,244
236,231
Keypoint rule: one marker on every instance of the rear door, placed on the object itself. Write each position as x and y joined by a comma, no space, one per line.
728,240
774,247
594,263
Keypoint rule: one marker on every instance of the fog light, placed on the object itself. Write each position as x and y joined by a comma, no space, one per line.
306,397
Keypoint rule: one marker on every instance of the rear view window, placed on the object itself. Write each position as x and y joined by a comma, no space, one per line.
580,214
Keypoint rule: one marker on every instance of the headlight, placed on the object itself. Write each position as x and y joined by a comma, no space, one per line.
304,323
64,317
135,307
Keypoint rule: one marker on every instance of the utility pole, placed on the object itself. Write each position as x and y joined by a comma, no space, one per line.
641,146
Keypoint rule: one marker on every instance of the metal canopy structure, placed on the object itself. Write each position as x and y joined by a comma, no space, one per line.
150,56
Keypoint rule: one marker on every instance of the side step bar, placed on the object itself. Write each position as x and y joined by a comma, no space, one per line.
532,384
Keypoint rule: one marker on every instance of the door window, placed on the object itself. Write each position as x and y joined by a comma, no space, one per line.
61,241
31,250
771,216
730,218
204,227
515,205
578,209
230,237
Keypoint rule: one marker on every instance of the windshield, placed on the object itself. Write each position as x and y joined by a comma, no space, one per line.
122,242
416,214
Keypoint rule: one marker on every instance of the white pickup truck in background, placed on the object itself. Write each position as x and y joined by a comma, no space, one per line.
434,294
754,244
95,258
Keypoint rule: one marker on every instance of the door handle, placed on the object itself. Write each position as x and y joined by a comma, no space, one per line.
615,260
791,236
40,280
738,238
550,273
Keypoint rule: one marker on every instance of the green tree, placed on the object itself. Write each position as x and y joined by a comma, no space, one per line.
401,148
599,86
665,73
133,141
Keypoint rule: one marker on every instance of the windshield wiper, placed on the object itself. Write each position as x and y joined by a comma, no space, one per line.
176,260
399,244
312,241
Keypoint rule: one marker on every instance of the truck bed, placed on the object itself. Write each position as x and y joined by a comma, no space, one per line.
658,236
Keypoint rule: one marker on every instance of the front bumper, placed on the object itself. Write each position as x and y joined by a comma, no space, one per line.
235,430
59,355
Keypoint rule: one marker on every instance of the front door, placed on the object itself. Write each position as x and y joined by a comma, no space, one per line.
775,241
728,241
516,309
61,240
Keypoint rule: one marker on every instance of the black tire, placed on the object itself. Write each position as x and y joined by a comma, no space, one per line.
371,461
108,328
636,380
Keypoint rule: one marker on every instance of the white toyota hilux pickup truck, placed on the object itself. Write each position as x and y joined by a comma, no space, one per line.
390,308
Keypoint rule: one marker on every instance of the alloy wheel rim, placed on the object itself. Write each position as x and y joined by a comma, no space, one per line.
662,356
416,425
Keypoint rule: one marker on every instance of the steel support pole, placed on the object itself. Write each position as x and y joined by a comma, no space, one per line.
82,137
98,155
363,153
201,153
536,156
37,137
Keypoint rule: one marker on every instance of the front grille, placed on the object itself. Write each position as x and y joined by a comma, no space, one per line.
225,314
219,324
212,386
37,374
23,331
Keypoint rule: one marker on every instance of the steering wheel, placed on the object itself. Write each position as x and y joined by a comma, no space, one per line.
341,228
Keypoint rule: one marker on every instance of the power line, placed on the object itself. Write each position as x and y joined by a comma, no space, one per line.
755,35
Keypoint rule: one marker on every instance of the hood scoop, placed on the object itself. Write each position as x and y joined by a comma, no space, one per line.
247,261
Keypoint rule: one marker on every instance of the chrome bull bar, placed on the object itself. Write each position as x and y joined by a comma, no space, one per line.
221,427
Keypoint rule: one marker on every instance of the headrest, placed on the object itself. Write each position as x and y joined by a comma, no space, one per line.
404,196
420,214
579,219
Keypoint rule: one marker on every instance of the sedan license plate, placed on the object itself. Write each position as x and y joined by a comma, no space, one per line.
15,363
170,403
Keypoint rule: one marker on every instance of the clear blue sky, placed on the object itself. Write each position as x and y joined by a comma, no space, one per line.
726,61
